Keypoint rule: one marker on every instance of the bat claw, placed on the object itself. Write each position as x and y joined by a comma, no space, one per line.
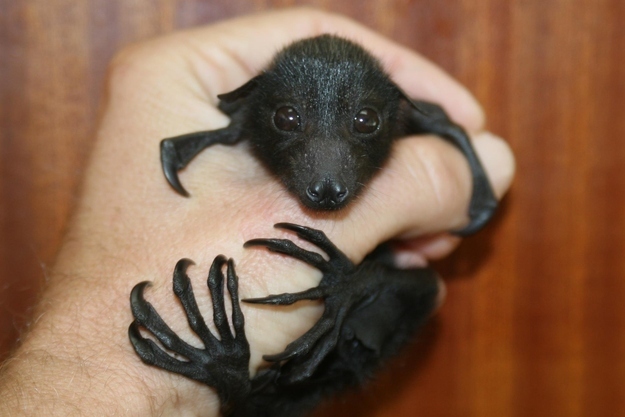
285,299
337,287
140,344
258,242
170,162
178,151
292,227
279,357
140,307
289,248
478,220
263,300
338,260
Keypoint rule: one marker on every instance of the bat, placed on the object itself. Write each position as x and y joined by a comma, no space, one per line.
322,119
351,340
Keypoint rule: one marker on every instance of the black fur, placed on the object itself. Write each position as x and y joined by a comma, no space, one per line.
370,311
325,160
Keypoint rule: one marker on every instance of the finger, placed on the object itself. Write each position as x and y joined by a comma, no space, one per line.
425,189
216,286
416,253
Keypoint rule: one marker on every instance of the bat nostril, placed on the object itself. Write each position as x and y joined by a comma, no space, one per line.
315,191
339,192
327,193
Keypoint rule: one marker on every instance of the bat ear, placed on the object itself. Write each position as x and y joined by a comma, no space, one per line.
415,105
242,91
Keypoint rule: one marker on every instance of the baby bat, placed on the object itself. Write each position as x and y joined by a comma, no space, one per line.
386,307
322,119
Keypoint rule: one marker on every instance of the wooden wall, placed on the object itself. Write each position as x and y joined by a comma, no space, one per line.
534,324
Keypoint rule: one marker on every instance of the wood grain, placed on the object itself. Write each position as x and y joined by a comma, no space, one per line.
534,321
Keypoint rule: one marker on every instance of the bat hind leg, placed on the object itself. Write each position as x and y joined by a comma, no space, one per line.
223,363
339,288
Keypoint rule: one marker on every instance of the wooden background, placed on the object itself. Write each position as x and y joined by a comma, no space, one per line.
534,321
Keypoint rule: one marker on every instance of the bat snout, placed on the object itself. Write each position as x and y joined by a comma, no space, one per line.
326,194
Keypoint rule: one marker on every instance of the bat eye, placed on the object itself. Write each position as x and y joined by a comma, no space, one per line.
366,121
287,119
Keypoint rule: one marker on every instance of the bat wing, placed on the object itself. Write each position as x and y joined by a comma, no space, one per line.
425,117
178,151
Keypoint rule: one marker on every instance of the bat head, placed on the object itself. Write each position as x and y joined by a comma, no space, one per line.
322,118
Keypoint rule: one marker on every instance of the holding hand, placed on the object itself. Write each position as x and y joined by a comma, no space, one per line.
130,226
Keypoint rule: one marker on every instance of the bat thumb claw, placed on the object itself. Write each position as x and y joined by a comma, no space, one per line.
172,179
170,163
478,220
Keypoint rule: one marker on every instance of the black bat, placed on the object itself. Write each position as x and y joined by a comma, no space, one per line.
386,307
322,118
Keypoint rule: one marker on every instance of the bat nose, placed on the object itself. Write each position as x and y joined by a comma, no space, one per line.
327,193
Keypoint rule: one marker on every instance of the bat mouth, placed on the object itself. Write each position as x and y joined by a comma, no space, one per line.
323,206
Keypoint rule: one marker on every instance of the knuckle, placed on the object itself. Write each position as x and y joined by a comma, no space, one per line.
134,64
124,65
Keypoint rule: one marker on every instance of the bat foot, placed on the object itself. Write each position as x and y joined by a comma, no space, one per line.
224,362
339,287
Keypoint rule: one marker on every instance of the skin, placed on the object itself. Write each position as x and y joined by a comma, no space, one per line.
130,226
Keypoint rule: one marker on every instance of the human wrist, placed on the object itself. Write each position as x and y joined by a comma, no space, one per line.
41,382
38,382
76,361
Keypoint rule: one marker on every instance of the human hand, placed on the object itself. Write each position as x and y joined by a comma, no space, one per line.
130,226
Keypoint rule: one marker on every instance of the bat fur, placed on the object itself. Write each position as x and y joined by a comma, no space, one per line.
322,118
